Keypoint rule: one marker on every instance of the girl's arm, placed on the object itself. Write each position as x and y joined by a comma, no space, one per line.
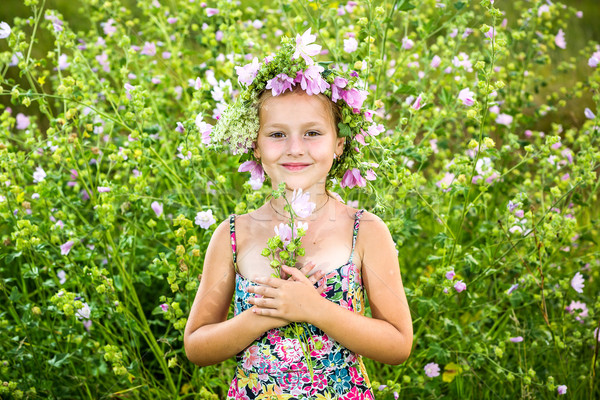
387,337
209,337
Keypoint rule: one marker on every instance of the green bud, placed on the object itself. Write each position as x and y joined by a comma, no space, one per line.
284,255
275,264
265,252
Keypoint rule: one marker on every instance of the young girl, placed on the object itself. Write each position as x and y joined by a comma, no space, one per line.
306,134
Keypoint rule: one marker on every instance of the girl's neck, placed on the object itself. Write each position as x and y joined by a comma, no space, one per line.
318,196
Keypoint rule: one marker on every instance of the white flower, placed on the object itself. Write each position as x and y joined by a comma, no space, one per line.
301,204
83,312
350,45
467,97
205,219
577,282
4,30
39,175
305,49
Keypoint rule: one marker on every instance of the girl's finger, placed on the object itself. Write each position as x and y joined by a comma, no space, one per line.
295,274
307,268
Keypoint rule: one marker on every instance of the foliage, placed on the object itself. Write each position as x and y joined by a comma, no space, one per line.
107,204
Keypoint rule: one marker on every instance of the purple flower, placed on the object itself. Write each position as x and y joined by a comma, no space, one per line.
108,27
588,113
205,219
467,97
204,128
516,339
577,282
62,276
279,84
407,44
301,203
562,389
39,175
157,207
519,213
445,182
180,128
311,80
172,20
103,189
66,247
504,119
22,121
450,275
436,61
353,178
350,45
62,62
512,288
219,36
212,11
247,73
354,98
305,48
432,370
103,61
149,49
594,60
164,307
255,169
284,232
4,30
559,39
460,286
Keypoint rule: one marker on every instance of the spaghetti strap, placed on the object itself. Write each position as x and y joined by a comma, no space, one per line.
233,241
359,214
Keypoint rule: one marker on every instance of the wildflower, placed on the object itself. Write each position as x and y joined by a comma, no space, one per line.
39,175
516,339
255,184
205,219
280,84
462,60
22,121
103,61
589,114
284,232
157,208
4,30
180,128
578,305
62,62
108,27
407,44
204,128
172,20
87,324
436,61
301,204
255,169
149,49
460,286
305,49
432,370
445,182
512,288
504,119
247,73
354,98
467,97
212,11
544,8
577,282
164,307
450,275
103,189
311,80
594,60
62,276
559,39
417,104
66,247
353,178
562,389
84,312
350,45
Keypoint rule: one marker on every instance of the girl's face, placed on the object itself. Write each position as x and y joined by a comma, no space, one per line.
297,140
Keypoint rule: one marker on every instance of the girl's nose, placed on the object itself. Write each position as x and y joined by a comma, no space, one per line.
295,145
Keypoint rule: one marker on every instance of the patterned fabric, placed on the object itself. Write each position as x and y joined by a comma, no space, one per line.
275,366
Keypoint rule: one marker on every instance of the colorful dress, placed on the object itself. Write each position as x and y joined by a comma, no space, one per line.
274,365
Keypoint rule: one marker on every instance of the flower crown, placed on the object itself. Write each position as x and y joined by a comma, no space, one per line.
239,124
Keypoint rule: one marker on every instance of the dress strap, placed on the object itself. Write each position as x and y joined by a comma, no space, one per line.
359,214
233,241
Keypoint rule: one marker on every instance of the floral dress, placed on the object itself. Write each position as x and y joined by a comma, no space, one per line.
274,366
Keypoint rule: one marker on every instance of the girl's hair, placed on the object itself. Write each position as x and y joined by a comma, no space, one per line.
335,112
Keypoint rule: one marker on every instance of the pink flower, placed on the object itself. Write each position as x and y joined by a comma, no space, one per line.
66,247
172,20
350,45
407,44
311,80
157,208
205,219
336,88
255,169
247,73
594,60
62,62
445,182
460,286
354,98
164,307
435,61
305,48
467,97
577,282
544,8
212,11
504,119
22,121
279,84
204,128
284,232
417,104
353,178
370,175
149,49
103,61
432,370
562,389
559,39
301,203
516,339
450,275
491,33
108,27
578,305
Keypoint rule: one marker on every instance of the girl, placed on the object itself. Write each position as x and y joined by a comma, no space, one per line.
300,142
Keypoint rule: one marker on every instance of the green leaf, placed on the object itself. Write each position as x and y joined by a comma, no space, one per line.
345,130
15,295
406,89
459,5
405,5
57,360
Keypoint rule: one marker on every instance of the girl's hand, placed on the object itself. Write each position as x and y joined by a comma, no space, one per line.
293,299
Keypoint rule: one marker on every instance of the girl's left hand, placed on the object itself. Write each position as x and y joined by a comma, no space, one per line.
293,299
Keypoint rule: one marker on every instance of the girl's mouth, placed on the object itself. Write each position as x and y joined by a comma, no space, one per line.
295,166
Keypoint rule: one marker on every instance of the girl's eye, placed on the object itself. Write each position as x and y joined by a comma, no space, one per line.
276,134
313,133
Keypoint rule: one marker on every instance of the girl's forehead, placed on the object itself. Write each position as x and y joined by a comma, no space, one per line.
297,105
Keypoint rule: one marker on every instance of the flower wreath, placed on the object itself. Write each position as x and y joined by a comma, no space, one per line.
239,124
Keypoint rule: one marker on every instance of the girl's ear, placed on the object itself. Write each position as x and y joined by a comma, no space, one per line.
339,145
256,151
